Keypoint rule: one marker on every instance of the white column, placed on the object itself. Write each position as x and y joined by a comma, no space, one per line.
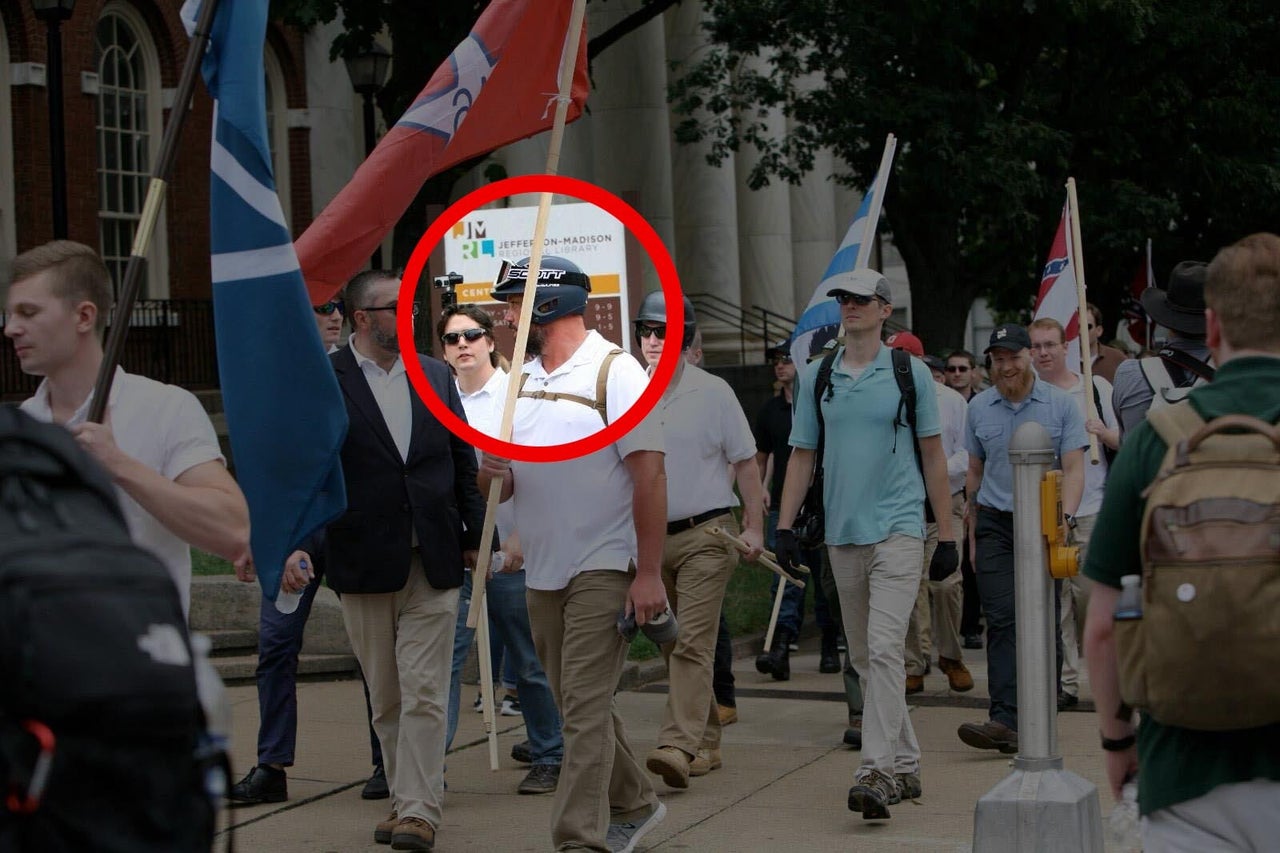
813,228
706,224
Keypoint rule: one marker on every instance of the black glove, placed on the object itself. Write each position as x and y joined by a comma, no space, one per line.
946,559
787,550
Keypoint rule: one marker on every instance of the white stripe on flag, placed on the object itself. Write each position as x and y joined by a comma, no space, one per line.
261,198
254,263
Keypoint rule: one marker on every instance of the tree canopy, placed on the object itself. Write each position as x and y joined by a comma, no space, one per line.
1163,110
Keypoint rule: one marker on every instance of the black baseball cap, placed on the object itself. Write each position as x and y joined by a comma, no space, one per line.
1008,336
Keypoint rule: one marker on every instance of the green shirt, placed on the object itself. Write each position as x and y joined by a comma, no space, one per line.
1179,764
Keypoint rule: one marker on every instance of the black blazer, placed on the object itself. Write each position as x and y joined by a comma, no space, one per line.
433,492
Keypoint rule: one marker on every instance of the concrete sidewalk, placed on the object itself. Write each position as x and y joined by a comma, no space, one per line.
783,787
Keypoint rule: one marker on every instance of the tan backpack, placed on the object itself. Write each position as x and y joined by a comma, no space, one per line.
1206,652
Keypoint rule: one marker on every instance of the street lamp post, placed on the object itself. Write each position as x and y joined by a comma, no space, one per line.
368,72
53,13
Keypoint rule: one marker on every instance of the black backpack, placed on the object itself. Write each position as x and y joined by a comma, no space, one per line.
102,734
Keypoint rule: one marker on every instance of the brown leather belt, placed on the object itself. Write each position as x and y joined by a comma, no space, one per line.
680,526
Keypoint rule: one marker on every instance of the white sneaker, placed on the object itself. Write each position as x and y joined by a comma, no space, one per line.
623,837
478,707
511,707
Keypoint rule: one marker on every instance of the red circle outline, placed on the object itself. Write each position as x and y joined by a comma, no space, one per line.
633,222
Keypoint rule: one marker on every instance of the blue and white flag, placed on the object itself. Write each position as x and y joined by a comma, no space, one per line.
284,409
820,322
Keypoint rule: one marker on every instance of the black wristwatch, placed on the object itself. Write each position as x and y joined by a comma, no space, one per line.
1119,744
1070,520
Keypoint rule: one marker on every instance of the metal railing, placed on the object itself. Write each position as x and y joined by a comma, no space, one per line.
757,327
170,340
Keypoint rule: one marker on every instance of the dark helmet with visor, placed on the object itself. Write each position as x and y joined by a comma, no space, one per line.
653,310
562,287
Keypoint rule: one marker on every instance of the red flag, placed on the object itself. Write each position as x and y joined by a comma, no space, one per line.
1138,328
1058,297
498,86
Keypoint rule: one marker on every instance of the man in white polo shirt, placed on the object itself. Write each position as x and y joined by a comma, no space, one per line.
706,436
592,530
157,444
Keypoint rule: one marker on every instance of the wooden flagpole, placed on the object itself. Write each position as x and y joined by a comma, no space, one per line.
1086,357
568,64
150,213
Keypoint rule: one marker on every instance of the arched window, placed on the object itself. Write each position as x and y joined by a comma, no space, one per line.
8,233
129,126
278,130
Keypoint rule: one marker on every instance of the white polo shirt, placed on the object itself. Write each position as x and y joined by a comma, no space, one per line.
165,428
484,413
704,431
952,411
576,516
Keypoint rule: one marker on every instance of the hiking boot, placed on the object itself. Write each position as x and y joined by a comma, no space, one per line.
413,833
623,837
972,641
829,659
958,676
707,759
915,684
853,735
989,735
872,794
909,787
541,779
777,661
263,784
376,788
382,832
728,714
671,763
522,752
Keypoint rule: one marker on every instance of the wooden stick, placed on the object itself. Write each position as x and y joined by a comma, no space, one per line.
773,618
568,63
486,678
1086,359
766,558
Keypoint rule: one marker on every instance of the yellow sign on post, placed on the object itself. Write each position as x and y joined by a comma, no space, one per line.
1063,558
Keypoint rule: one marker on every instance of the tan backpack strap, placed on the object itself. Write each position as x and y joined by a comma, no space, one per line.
602,382
524,377
1175,423
599,403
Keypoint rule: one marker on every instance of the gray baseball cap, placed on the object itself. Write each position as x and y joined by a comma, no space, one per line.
861,283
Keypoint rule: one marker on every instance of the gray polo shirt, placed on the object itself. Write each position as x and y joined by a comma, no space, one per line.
1131,394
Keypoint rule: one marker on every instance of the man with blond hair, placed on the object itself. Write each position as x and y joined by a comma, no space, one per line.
156,441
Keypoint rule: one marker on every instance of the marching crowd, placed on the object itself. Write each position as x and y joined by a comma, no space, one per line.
899,458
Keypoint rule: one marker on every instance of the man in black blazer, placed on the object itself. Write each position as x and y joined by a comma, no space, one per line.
396,556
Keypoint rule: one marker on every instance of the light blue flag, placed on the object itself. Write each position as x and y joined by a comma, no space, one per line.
284,409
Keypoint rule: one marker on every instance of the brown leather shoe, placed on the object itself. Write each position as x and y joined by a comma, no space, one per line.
382,832
915,684
957,674
413,833
728,714
989,735
671,763
705,761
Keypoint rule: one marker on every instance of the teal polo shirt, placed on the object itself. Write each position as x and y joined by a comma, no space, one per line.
872,487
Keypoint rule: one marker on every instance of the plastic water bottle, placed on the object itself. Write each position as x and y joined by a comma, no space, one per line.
287,602
1129,605
1122,826
217,713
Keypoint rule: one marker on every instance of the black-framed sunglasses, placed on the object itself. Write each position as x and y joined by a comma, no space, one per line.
856,298
392,309
329,307
957,368
471,336
780,359
643,331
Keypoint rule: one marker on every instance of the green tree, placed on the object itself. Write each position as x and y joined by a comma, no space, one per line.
1164,112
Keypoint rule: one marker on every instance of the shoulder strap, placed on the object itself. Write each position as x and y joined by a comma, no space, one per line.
1097,399
906,401
822,388
1155,373
1188,362
600,403
1175,423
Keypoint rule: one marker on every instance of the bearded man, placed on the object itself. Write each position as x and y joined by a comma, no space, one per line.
1016,397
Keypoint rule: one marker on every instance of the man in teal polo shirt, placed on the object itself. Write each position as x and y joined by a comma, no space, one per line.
874,496
1198,790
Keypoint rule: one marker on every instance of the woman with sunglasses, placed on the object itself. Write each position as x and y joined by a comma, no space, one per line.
466,336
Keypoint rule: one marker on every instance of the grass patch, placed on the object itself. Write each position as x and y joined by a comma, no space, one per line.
203,563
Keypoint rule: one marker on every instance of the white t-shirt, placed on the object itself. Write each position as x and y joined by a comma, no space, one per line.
484,413
576,516
704,431
1095,476
165,428
952,411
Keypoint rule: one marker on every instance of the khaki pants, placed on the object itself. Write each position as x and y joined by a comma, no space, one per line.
1075,602
877,585
695,570
404,642
575,632
936,618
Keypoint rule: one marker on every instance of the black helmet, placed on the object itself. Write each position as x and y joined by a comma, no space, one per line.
653,309
562,287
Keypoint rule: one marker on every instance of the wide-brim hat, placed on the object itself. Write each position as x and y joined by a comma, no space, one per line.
1180,306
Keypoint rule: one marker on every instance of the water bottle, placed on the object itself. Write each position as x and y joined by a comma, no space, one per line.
1123,825
216,737
1129,605
287,602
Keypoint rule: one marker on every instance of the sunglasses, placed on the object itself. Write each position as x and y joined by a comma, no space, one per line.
957,368
780,359
471,336
329,307
856,298
391,308
660,332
